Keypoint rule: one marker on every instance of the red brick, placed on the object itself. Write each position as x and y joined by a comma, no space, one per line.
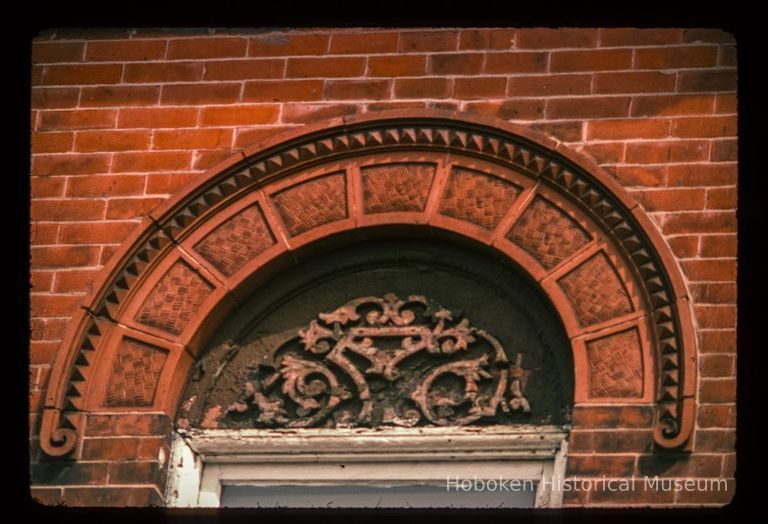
133,472
714,293
160,72
54,305
94,141
157,117
717,391
724,151
524,62
479,87
726,103
125,50
665,105
167,183
83,74
54,97
239,115
302,113
67,473
357,89
710,36
721,198
128,208
63,256
96,232
363,43
430,41
384,106
715,440
509,109
75,281
54,328
105,186
199,94
704,127
120,96
721,341
149,448
718,246
456,64
205,159
46,496
248,137
638,494
716,316
283,91
547,85
325,67
37,327
67,210
633,128
53,52
206,47
615,441
565,131
546,38
613,416
605,152
634,82
131,496
244,69
679,465
702,175
729,465
727,56
710,270
40,281
281,44
104,449
487,38
598,465
77,119
717,366
595,107
422,88
717,416
43,234
151,161
192,139
671,199
676,57
639,37
36,76
394,66
41,353
711,80
52,142
684,246
45,165
599,60
667,151
650,176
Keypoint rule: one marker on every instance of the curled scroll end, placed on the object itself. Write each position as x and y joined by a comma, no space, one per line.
56,441
676,433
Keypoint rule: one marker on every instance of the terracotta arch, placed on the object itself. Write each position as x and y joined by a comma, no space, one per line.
604,266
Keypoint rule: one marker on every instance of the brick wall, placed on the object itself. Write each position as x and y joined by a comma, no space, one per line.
121,120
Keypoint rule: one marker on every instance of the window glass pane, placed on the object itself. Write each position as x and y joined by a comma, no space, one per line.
378,495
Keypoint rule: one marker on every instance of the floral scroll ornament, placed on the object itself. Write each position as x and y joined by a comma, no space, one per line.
385,361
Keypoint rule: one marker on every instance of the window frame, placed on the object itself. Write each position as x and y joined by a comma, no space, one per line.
202,461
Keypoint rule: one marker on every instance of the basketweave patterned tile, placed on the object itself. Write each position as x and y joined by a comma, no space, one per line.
396,187
135,374
312,203
175,299
596,291
548,233
237,241
477,197
615,365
